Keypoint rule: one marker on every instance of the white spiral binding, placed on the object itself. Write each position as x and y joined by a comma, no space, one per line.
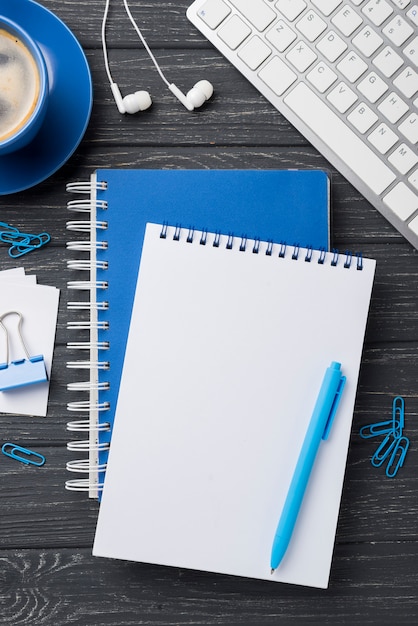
86,385
88,306
84,226
87,285
86,325
82,206
86,246
83,425
256,246
86,264
87,345
88,365
85,405
93,406
86,187
85,484
83,466
86,445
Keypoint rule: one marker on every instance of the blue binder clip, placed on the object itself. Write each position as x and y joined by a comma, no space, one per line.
22,371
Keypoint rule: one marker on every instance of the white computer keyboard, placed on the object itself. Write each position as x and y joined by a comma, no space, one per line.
345,73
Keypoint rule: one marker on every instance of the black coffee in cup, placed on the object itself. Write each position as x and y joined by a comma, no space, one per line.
19,84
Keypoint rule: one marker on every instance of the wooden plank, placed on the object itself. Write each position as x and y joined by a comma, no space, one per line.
71,587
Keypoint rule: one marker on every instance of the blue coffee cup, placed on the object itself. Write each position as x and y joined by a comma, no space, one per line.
24,87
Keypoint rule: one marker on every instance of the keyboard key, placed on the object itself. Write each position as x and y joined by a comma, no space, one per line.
213,13
388,61
281,36
367,41
413,14
413,225
345,144
362,118
409,128
254,53
401,3
322,77
398,31
347,20
352,67
326,6
403,158
393,107
234,31
342,97
373,87
277,76
407,82
311,25
301,56
413,179
411,51
332,46
291,9
256,12
383,138
377,11
402,201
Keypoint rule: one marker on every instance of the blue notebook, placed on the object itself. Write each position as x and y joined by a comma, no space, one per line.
290,206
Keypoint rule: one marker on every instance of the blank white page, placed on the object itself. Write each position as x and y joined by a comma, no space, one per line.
226,353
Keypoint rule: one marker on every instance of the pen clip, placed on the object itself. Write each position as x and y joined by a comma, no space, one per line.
334,407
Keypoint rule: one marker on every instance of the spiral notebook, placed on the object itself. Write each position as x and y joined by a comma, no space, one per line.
228,344
293,205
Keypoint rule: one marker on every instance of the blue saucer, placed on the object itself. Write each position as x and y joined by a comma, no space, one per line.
71,98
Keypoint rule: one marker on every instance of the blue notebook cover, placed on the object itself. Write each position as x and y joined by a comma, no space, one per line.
277,205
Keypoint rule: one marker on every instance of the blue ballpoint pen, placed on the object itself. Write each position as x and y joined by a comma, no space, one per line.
318,429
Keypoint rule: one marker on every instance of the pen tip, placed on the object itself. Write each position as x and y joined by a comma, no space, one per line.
272,571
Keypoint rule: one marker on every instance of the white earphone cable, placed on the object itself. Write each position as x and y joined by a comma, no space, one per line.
104,46
140,35
144,43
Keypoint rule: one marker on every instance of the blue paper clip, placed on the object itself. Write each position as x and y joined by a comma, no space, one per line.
30,458
395,445
28,243
385,448
374,430
21,243
20,372
397,457
395,425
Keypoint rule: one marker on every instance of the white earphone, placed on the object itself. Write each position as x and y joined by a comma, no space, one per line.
141,100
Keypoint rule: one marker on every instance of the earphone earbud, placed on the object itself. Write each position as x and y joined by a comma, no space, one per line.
133,102
202,91
197,96
141,100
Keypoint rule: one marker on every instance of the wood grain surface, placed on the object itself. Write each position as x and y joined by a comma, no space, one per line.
47,574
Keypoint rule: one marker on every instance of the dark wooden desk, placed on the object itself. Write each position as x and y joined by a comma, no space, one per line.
47,573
